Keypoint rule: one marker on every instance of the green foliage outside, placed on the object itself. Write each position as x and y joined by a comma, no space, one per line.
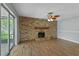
5,28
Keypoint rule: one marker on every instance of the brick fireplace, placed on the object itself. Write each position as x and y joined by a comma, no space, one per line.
37,29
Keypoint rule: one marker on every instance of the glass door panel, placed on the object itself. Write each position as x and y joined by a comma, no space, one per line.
4,31
11,31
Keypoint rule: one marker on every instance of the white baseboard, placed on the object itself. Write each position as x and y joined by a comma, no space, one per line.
68,40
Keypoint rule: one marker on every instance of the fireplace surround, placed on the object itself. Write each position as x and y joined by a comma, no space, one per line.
37,29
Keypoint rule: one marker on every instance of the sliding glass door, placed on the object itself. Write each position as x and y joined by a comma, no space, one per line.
4,31
11,31
7,31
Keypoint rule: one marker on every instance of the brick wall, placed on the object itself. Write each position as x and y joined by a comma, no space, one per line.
29,28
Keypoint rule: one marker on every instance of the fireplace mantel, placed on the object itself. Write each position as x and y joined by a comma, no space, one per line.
41,27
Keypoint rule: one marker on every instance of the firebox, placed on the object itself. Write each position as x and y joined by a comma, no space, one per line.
41,34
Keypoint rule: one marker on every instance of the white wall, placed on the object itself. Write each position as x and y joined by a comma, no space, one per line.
16,22
68,29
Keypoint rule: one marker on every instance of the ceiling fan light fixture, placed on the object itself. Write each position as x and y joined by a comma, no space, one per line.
52,17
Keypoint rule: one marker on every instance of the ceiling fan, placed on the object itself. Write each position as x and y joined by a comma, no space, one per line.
52,17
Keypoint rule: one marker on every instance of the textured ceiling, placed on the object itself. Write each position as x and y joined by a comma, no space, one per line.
40,10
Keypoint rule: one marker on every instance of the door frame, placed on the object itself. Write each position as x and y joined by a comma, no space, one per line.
0,28
9,13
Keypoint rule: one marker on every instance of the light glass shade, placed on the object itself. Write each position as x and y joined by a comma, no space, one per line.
50,18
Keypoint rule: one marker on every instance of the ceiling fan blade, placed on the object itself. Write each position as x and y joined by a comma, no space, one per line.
57,16
54,18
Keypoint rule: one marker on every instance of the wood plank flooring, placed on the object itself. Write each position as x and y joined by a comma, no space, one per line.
53,47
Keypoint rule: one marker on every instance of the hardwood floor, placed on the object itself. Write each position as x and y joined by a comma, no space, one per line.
54,47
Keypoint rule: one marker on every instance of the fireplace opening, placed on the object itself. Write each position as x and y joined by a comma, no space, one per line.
41,34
